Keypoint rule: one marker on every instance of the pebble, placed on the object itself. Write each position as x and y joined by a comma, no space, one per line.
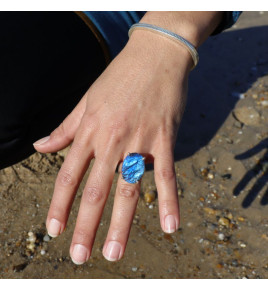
264,103
221,236
151,206
238,124
149,196
241,244
46,238
179,192
134,269
210,176
247,115
238,95
32,239
227,176
229,215
42,252
224,222
31,247
210,211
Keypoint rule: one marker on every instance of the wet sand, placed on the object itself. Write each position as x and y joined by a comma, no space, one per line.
222,173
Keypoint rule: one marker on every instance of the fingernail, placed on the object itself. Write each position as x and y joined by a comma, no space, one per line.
170,224
54,228
112,251
80,254
41,141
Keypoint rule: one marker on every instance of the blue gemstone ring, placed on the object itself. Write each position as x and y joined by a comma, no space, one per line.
133,167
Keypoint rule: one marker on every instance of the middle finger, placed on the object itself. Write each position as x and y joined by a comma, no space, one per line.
92,203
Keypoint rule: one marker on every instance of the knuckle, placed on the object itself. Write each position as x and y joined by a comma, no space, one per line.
117,127
65,178
90,123
82,236
93,195
61,132
128,191
165,174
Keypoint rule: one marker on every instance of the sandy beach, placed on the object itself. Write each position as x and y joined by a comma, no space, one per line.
222,175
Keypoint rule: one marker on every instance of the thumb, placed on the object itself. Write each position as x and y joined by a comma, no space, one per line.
63,135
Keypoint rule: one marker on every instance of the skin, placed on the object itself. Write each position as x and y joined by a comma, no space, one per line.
136,105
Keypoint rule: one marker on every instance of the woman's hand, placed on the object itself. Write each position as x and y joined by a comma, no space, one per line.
135,106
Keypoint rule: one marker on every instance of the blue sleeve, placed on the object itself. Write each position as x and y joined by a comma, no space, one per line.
229,19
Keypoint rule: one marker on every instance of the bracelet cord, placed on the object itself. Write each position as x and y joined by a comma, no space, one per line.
170,35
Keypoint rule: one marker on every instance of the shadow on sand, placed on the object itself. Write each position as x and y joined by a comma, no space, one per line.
229,64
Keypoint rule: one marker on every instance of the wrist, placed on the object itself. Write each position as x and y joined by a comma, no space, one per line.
194,26
154,49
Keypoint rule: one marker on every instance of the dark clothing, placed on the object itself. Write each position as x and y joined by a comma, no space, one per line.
47,62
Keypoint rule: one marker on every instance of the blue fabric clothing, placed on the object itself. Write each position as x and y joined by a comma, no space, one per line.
114,25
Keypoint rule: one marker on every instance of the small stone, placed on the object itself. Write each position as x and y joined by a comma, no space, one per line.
151,206
241,244
42,252
179,192
46,238
224,222
210,175
227,176
206,243
209,210
31,247
149,196
221,236
235,263
264,103
229,215
219,266
241,219
32,239
134,269
238,124
247,115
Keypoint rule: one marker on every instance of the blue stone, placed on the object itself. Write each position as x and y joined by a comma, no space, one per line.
133,168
